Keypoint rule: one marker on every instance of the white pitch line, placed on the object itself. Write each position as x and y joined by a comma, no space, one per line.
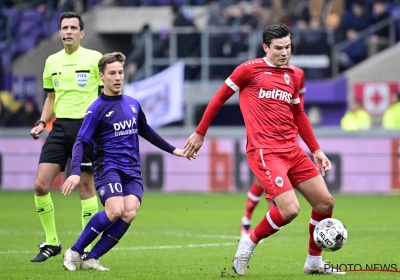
142,247
175,246
135,233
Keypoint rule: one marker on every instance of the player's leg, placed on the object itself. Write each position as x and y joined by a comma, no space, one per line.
312,186
133,191
96,225
110,193
52,160
113,234
271,171
253,198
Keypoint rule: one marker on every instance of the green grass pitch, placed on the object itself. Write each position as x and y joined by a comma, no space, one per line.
194,236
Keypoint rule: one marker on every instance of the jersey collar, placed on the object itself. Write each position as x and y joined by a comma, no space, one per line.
270,64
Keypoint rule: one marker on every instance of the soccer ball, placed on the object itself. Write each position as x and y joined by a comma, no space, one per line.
330,234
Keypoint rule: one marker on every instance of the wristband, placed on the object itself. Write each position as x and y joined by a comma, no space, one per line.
40,121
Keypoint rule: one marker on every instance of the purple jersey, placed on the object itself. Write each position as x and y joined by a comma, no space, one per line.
113,123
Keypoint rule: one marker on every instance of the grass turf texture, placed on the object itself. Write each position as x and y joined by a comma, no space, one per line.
194,236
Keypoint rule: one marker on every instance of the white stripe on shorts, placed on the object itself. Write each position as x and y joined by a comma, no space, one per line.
261,156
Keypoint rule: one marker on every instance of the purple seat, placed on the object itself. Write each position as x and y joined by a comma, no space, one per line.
395,12
147,2
27,43
164,2
12,15
8,53
52,24
29,20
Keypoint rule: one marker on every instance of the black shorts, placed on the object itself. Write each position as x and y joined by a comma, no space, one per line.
59,144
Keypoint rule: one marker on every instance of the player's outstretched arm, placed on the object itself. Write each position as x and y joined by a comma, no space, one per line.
321,161
193,145
70,184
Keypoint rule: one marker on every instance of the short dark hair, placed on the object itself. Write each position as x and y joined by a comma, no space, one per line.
72,15
275,31
109,58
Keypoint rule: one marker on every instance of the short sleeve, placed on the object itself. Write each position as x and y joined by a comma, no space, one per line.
47,78
240,77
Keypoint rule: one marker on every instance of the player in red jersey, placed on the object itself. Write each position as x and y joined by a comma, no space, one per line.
256,191
270,105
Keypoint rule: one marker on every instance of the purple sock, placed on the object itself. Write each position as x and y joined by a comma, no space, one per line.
97,224
109,239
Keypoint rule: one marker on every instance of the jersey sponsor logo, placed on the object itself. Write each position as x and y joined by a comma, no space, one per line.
267,72
126,127
279,181
275,94
286,77
133,109
55,82
82,79
109,113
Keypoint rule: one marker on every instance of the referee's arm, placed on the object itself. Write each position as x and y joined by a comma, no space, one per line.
48,107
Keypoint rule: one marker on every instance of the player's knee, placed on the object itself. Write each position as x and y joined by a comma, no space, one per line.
290,211
129,215
325,205
114,214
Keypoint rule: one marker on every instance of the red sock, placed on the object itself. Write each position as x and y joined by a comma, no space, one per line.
269,224
253,197
316,217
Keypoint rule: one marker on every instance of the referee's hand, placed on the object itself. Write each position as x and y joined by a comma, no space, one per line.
35,132
70,184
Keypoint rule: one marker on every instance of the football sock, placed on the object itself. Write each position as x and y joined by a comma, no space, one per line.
45,209
109,239
97,224
269,224
253,197
316,217
313,259
249,243
89,208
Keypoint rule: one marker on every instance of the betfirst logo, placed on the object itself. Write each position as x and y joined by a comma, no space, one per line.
275,94
125,127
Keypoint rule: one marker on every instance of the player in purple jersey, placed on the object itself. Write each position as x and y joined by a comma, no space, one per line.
113,122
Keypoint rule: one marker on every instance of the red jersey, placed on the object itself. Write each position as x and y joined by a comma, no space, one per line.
299,74
266,97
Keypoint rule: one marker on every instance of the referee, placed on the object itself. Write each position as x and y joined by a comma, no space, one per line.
71,80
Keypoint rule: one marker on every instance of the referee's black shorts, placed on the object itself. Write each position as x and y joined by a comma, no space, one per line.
59,144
